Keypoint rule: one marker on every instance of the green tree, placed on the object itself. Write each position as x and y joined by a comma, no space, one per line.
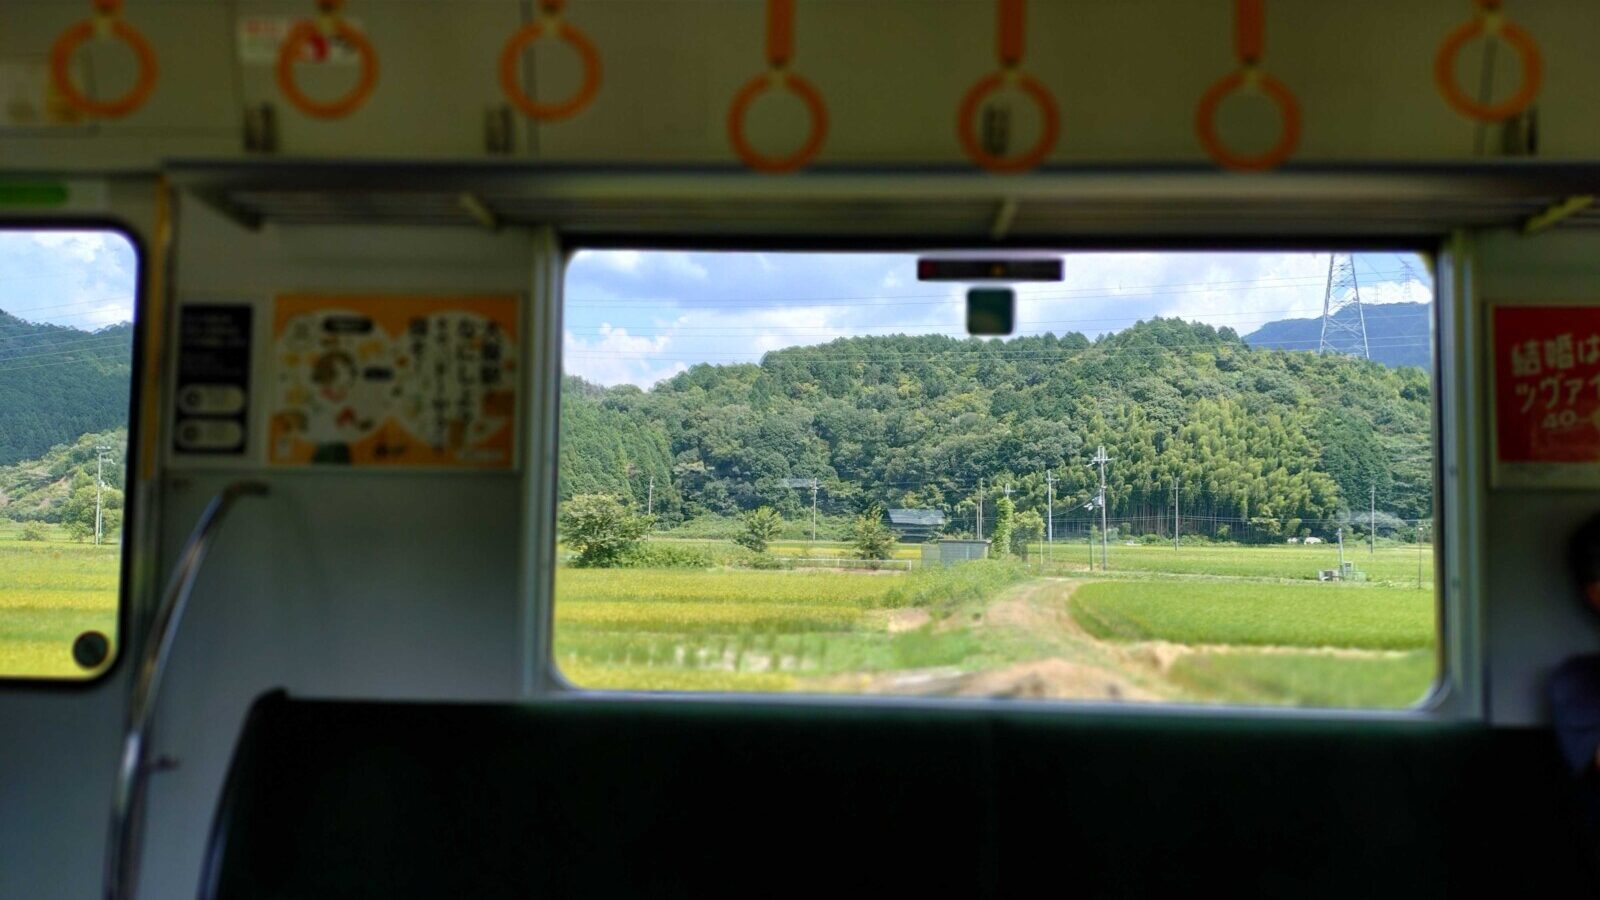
601,528
870,538
1029,530
760,527
1005,521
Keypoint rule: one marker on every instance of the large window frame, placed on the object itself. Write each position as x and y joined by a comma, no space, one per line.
131,531
1459,685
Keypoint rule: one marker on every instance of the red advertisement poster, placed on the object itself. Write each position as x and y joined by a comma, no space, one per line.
1546,395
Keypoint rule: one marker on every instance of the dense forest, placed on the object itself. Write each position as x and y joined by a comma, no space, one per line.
59,486
57,383
1263,444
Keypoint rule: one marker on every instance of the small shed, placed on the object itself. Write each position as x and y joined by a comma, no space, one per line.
915,525
947,552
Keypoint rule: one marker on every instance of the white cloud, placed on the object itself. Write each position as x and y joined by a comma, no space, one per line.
620,260
84,246
617,357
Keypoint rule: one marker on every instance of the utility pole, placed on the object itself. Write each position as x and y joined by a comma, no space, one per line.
1175,523
813,510
650,498
1372,525
99,490
980,509
1340,535
1419,554
1101,458
1049,512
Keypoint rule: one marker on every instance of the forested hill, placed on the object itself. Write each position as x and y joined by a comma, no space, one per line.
1398,334
1261,441
57,383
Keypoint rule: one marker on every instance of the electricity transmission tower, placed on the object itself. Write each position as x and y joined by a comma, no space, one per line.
1344,321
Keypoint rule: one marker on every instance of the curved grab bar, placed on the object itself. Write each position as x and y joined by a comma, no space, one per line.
127,805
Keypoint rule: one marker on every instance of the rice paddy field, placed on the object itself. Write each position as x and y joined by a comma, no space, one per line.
1215,624
50,592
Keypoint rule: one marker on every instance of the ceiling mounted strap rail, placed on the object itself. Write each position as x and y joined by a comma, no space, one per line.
1011,33
780,51
1249,27
1489,23
315,37
107,21
550,21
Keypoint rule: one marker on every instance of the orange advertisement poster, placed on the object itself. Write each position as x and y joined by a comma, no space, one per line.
377,380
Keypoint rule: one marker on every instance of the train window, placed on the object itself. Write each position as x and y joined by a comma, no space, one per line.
66,369
1185,477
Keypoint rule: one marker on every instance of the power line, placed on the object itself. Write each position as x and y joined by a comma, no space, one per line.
1285,282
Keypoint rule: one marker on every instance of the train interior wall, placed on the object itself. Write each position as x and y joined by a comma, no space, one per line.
416,586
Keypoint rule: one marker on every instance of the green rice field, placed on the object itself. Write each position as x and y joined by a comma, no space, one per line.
50,592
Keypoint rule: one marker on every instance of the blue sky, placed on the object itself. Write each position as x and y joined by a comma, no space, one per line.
81,279
639,316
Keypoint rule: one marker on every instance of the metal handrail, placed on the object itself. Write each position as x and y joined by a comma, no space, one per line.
127,807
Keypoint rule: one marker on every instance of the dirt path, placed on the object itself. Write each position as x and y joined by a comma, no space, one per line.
1060,659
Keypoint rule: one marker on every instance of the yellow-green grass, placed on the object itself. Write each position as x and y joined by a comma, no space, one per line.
1390,564
577,586
50,593
646,678
673,629
820,549
1389,681
665,617
1253,613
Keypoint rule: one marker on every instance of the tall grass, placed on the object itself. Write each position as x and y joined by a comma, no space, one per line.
1247,613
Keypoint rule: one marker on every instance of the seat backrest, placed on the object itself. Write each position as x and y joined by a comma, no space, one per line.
695,798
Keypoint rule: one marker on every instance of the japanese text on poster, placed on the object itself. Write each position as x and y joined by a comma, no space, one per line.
394,381
1547,395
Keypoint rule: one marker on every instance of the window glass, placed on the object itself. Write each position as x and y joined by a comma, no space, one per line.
66,368
1186,477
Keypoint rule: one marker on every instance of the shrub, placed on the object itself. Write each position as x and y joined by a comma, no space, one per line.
942,589
32,531
600,528
1005,520
870,538
662,555
760,528
1028,530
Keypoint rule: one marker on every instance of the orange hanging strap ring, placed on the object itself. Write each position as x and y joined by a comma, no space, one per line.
780,50
107,20
1011,32
1249,30
1249,27
314,36
780,32
1489,23
572,36
1288,112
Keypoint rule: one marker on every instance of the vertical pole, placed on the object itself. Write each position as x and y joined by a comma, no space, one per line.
99,486
813,510
1101,458
650,498
980,509
1175,522
1340,534
1372,525
1049,512
1419,554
